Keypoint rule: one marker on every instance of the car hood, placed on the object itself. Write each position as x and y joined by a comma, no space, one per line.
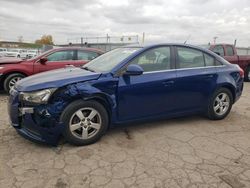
10,61
55,78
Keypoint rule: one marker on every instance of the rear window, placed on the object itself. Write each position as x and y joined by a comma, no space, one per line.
189,58
209,60
219,50
229,50
86,55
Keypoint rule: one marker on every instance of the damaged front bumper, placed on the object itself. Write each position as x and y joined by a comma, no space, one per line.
33,123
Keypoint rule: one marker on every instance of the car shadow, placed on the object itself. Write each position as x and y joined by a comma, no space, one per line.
154,124
127,130
3,93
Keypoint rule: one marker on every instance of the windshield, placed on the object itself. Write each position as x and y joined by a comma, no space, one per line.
107,61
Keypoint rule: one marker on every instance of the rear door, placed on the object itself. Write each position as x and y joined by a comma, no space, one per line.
196,78
84,56
56,60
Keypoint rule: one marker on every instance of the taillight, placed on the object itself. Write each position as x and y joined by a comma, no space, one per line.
241,73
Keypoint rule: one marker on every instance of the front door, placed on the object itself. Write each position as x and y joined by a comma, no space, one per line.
56,60
151,93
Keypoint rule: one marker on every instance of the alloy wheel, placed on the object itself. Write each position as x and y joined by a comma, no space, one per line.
13,81
221,104
85,123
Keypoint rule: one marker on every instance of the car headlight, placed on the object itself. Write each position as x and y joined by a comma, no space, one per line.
1,67
38,97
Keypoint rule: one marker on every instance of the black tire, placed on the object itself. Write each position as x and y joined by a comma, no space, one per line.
212,113
8,80
247,74
68,116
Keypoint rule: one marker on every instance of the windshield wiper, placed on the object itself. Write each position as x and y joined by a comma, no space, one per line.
88,69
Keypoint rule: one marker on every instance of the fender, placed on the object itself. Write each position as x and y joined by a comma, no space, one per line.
64,96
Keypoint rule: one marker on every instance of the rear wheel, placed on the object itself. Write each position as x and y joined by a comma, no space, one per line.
220,104
85,122
11,80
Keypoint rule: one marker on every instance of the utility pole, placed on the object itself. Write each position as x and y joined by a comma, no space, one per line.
215,39
187,39
81,41
235,41
143,38
108,38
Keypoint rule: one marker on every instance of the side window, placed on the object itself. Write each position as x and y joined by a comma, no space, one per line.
229,50
217,63
219,49
87,56
154,59
61,56
209,60
189,58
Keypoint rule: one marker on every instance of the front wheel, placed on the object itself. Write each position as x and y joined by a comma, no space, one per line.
11,80
220,104
85,122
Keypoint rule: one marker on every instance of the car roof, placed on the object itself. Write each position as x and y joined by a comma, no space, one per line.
78,48
167,44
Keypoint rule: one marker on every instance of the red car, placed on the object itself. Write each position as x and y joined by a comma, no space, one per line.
12,70
229,52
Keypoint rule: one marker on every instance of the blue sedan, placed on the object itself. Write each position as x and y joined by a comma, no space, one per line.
124,85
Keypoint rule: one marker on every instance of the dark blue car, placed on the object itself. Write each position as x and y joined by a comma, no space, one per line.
126,84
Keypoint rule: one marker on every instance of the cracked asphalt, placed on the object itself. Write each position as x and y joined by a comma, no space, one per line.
184,152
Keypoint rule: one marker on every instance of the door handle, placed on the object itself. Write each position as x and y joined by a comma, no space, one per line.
168,83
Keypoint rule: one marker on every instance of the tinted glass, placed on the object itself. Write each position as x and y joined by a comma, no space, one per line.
189,58
219,50
84,55
61,56
217,63
209,60
156,59
230,51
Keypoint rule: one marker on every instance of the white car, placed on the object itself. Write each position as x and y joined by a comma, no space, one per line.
3,52
29,54
15,52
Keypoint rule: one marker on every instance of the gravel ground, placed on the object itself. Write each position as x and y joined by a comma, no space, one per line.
183,152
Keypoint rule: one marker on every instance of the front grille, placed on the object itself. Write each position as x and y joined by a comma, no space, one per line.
19,121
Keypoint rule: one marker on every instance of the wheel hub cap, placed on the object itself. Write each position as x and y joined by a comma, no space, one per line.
85,123
221,104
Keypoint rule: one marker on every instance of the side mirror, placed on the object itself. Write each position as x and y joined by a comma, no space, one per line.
133,70
43,60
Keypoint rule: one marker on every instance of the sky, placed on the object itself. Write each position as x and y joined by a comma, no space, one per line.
197,21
